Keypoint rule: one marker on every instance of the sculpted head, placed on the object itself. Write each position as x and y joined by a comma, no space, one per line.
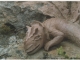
35,37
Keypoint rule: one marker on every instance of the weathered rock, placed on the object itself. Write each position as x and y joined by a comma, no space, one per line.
14,16
20,16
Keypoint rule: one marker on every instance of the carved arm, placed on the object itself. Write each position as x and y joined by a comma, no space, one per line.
58,37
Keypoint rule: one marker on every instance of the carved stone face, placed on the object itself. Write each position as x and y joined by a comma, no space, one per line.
34,38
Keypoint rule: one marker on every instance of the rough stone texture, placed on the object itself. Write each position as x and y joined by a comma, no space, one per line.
14,16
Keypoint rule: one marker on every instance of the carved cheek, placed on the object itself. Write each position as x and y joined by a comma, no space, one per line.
29,46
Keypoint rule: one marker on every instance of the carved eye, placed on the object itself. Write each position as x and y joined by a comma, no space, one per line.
38,37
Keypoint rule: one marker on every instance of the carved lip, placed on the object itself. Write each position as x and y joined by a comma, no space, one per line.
29,46
33,51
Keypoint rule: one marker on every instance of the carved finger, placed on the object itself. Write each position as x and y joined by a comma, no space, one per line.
46,47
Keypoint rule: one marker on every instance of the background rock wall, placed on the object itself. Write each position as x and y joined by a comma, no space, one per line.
15,15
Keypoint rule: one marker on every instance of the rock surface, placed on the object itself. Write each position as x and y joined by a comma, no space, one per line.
14,16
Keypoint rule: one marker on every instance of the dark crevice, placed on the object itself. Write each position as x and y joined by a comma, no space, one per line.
69,3
12,27
41,17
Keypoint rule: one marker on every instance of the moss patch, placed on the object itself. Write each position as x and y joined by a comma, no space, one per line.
5,29
61,52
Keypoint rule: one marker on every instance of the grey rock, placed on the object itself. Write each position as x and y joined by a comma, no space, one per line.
19,14
12,40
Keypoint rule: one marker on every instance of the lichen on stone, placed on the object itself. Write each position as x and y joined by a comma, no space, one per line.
61,52
5,29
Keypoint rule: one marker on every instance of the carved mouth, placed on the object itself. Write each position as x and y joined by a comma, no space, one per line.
33,50
29,46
